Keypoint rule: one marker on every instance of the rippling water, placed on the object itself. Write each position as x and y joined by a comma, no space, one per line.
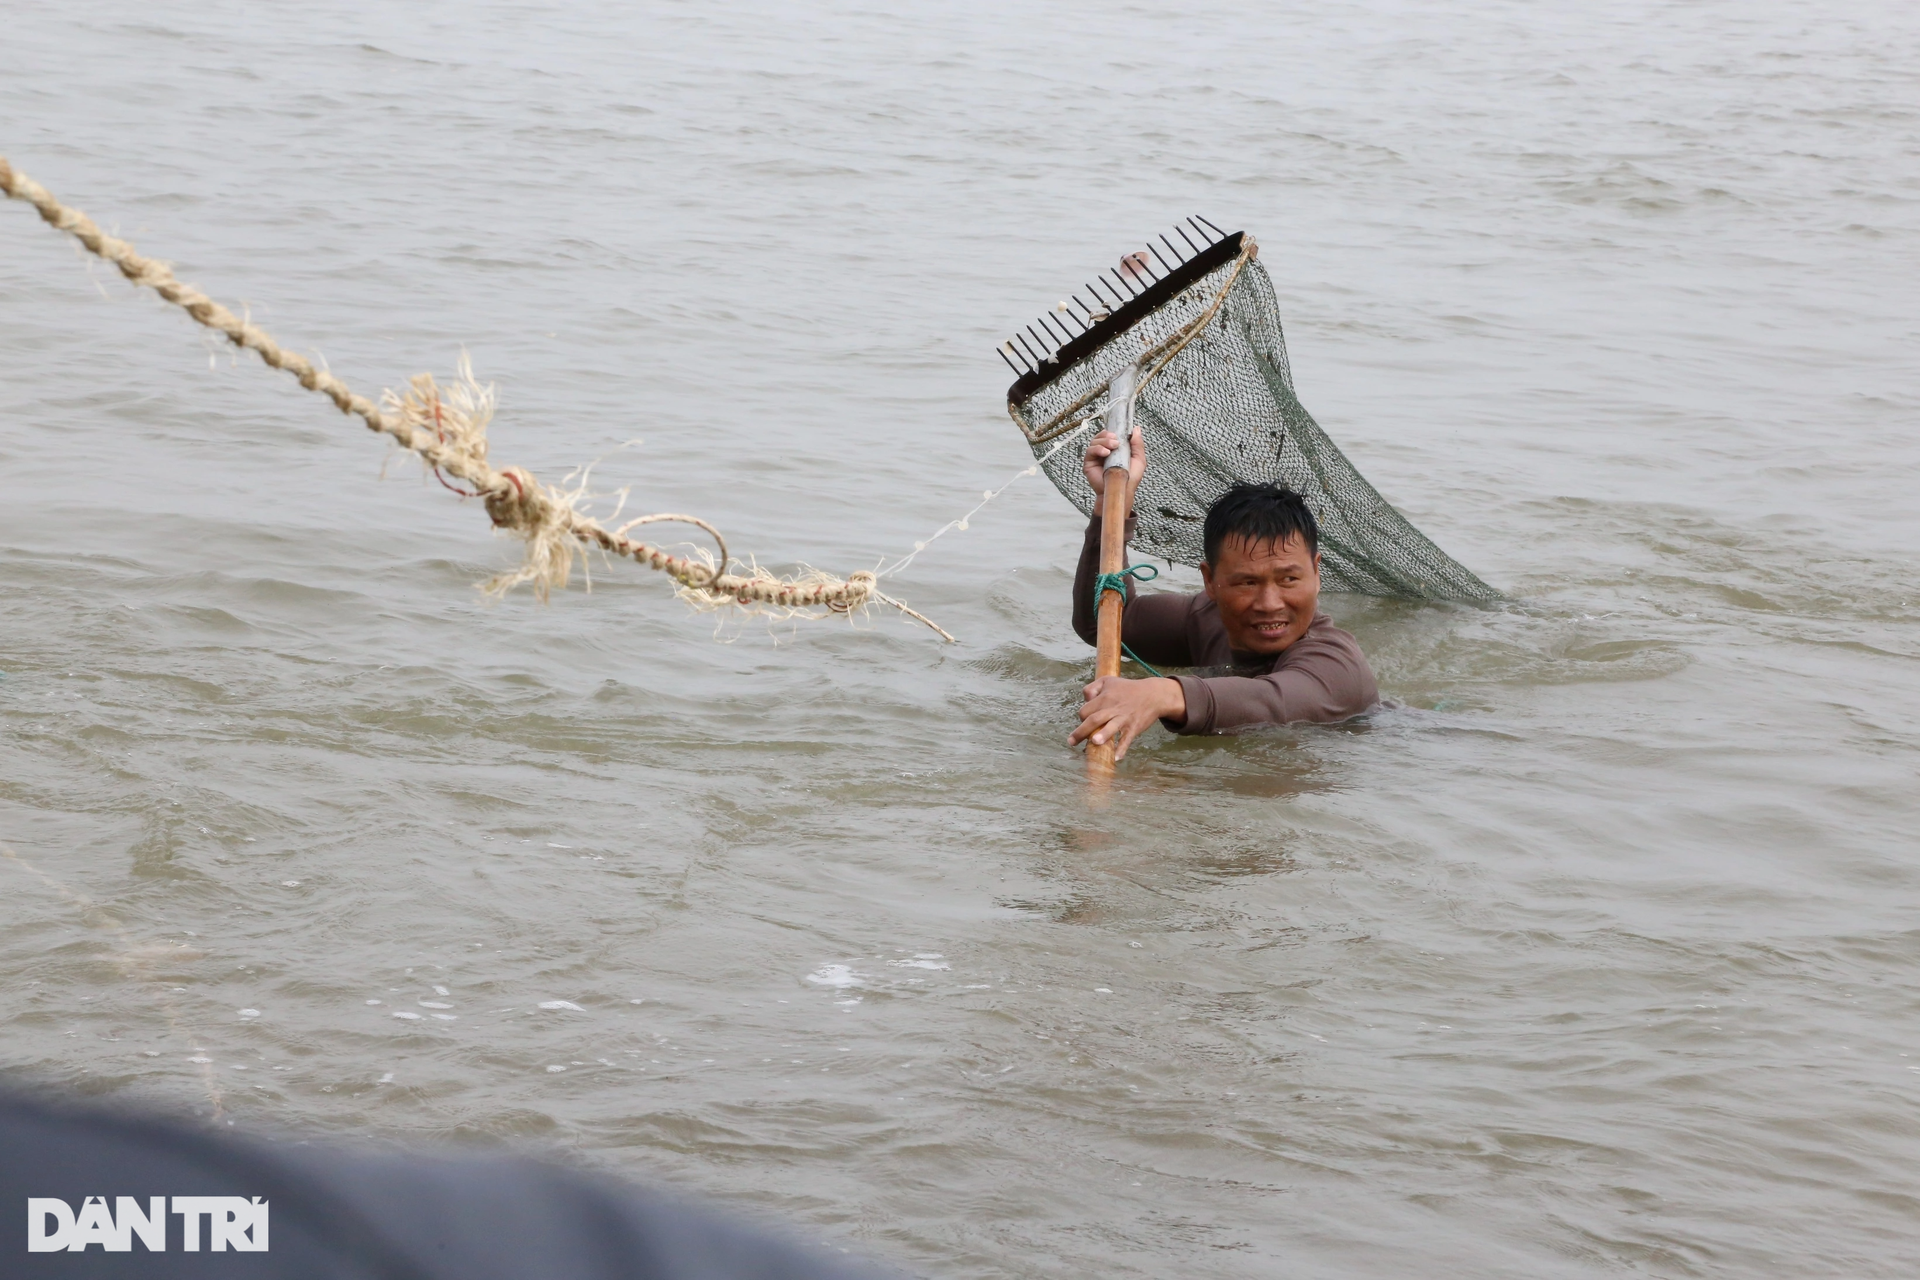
1595,953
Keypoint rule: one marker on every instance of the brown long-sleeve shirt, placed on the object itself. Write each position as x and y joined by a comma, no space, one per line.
1321,677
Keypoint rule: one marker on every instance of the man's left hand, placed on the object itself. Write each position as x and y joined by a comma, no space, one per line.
1117,710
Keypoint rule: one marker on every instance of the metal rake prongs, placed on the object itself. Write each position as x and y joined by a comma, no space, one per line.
1039,343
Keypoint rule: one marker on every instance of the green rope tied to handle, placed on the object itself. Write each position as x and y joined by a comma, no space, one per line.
1105,582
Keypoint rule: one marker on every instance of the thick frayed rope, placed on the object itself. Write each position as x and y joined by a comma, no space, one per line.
447,428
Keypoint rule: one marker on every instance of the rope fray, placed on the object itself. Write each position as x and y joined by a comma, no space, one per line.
447,428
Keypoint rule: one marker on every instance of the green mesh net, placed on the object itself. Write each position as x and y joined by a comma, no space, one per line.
1217,408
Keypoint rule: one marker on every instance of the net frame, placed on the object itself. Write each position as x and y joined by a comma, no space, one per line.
1216,405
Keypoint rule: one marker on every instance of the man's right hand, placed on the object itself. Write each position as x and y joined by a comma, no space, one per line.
1094,461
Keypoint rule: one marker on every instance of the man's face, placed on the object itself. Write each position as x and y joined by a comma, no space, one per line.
1266,591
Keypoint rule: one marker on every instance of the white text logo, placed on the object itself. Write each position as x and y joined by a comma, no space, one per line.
233,1222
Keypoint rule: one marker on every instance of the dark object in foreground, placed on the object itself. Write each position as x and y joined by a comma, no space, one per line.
339,1216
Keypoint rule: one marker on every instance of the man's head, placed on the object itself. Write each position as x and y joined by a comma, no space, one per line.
1263,566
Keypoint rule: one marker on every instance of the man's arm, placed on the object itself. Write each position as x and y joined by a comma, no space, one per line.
1116,710
1153,626
1085,614
1327,682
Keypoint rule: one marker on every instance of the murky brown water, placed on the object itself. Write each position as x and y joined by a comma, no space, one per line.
1597,954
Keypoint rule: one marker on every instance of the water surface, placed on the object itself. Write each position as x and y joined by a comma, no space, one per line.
1593,954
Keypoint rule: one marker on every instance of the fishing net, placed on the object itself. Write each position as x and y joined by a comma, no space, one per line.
1216,407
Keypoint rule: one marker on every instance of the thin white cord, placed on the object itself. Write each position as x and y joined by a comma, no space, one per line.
986,497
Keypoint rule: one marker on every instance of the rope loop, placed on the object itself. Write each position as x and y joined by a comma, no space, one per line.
1106,582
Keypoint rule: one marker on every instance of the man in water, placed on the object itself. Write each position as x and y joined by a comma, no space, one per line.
1257,622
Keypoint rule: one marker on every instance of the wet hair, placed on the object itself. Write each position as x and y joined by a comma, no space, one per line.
1259,513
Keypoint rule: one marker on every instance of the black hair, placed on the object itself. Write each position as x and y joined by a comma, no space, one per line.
1259,513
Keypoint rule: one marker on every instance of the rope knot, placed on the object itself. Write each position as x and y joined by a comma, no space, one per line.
516,503
1105,582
